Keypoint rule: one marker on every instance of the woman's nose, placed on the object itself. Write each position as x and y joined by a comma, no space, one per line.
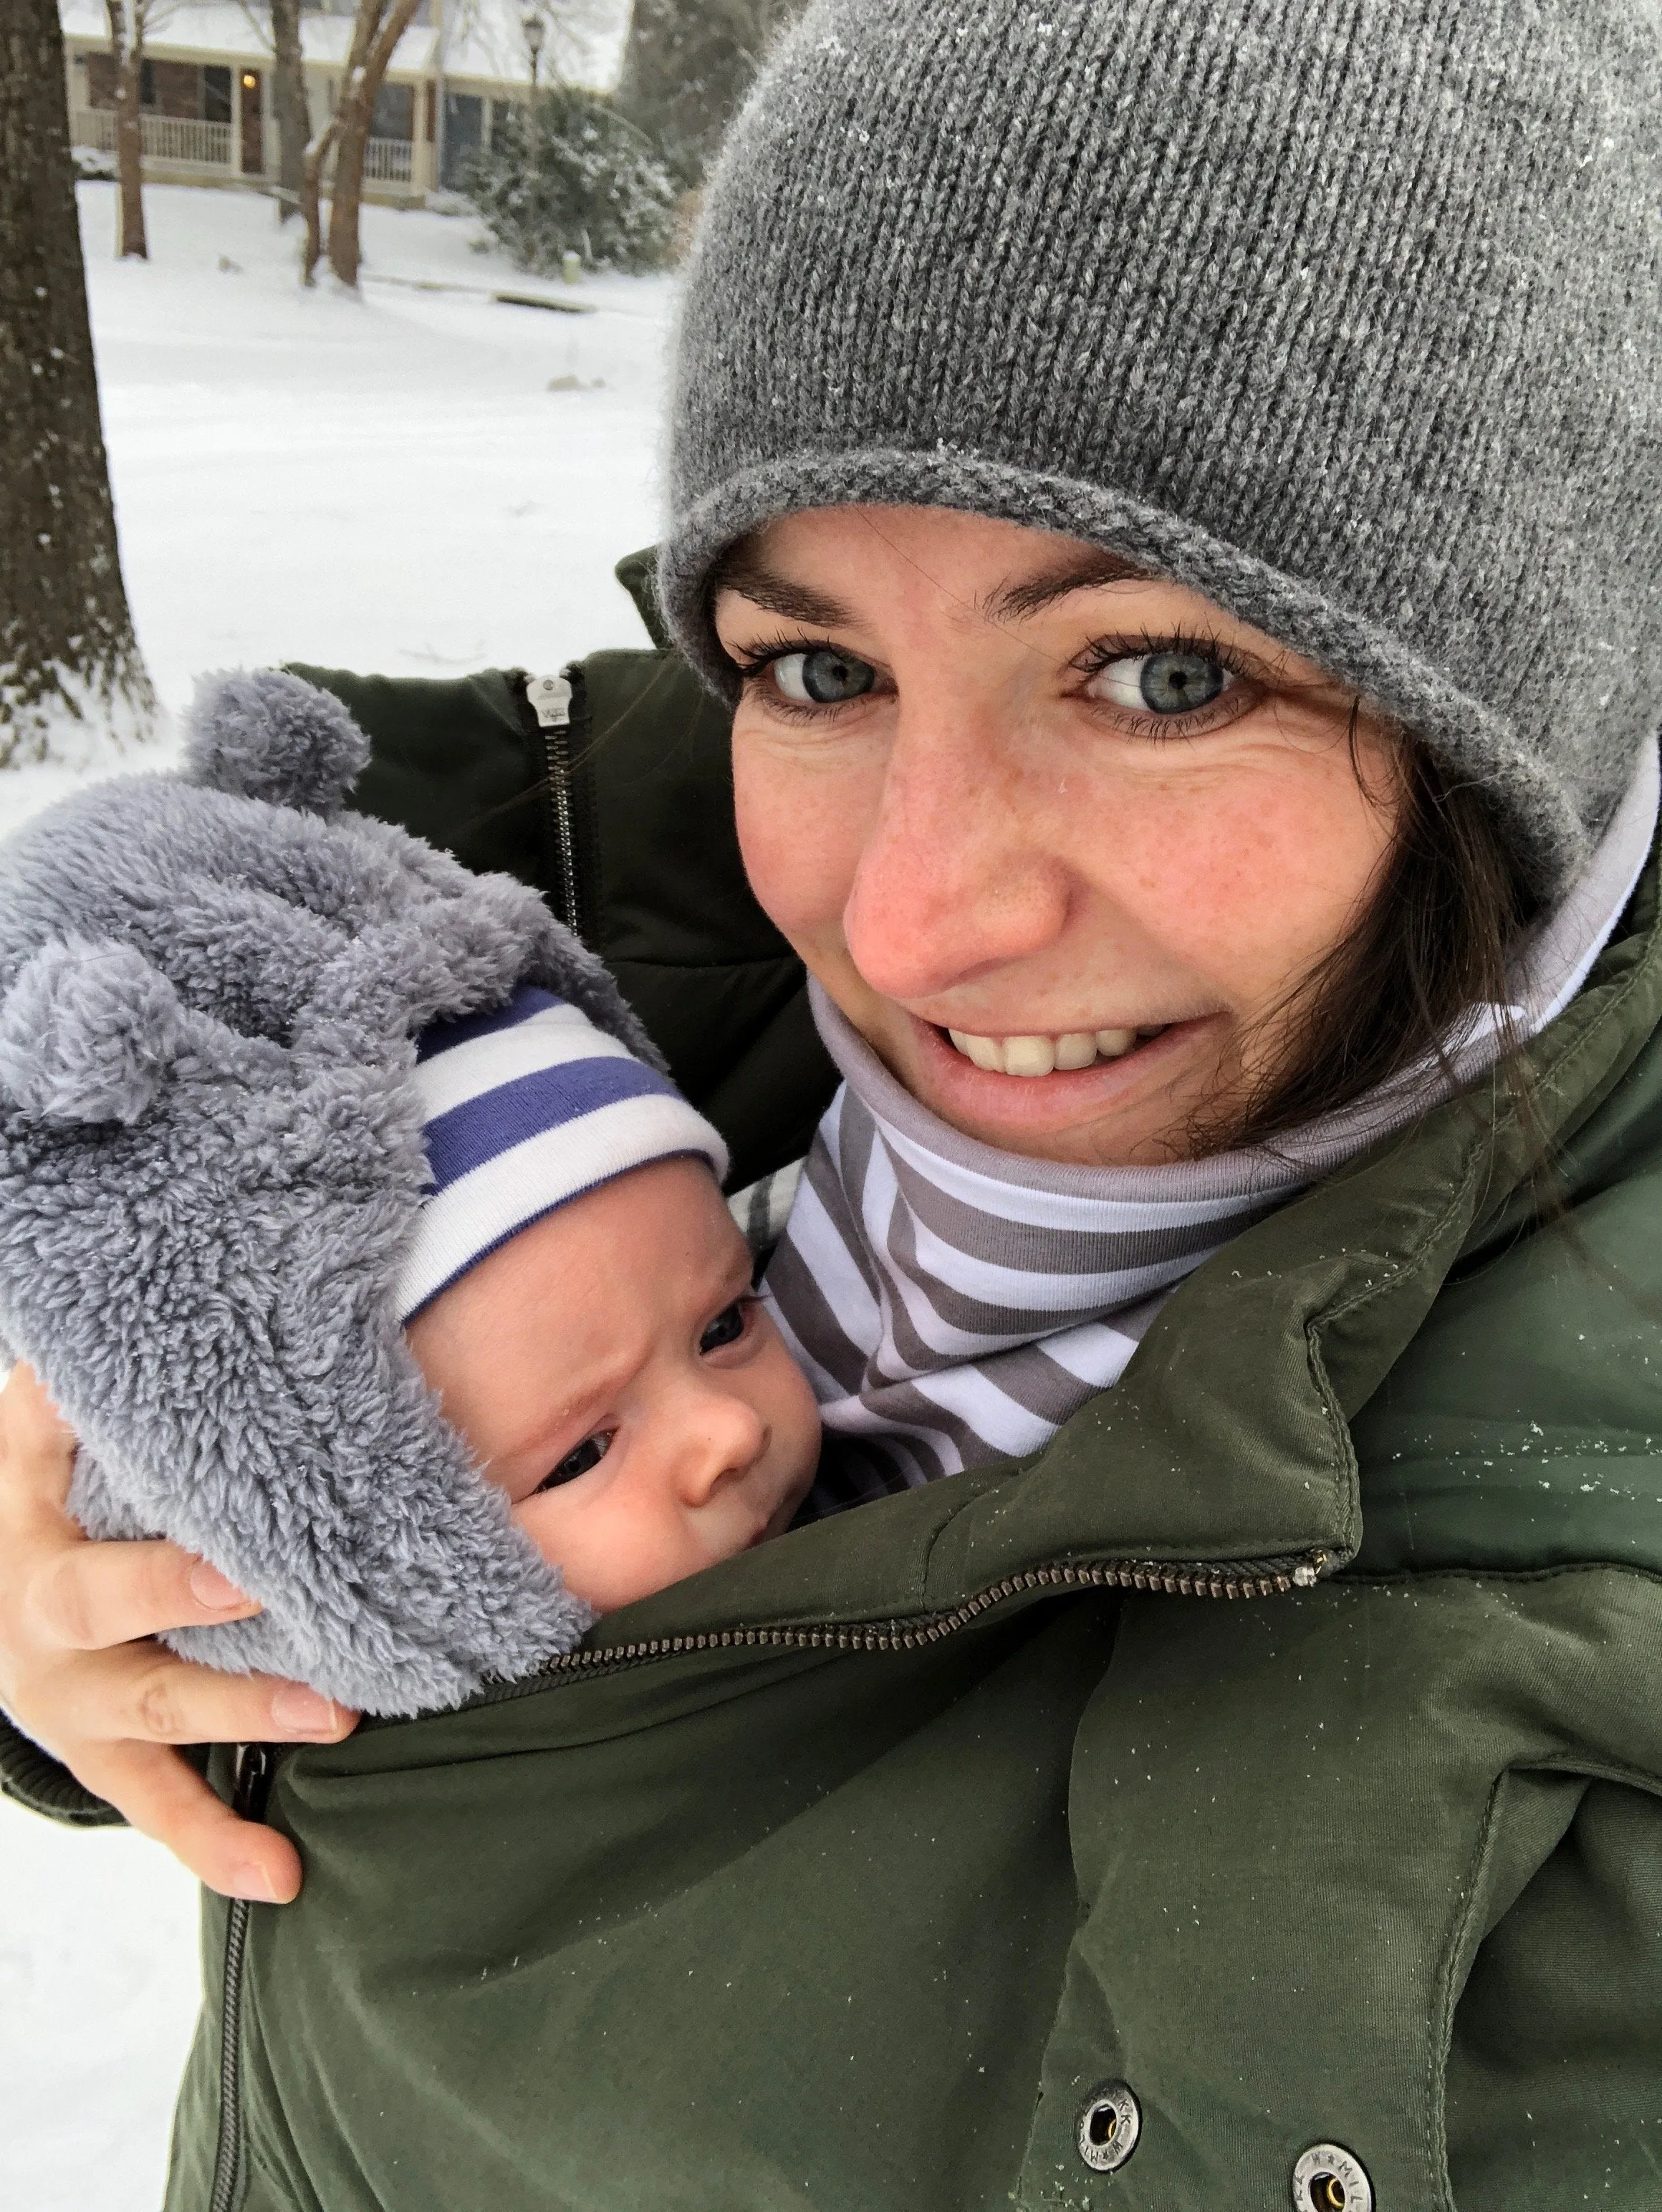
722,1439
956,877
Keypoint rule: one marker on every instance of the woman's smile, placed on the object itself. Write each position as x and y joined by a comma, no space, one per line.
1022,1098
1028,1054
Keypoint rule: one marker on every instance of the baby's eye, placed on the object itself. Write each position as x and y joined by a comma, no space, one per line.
588,1454
728,1327
1174,683
822,678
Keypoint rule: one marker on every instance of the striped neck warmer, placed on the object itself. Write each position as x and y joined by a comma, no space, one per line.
953,1304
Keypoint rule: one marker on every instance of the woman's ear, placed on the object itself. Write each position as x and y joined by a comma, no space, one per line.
88,1032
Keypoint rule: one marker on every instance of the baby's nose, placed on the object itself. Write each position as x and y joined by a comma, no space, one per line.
725,1439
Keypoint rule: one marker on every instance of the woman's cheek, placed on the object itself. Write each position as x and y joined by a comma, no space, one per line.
1250,878
801,827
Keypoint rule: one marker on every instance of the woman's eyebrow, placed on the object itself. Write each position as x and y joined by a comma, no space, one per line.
765,587
1030,595
1012,602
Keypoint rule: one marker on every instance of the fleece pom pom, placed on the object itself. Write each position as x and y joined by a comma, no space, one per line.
88,1033
265,734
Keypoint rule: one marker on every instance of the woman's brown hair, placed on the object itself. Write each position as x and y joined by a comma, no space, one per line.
1433,942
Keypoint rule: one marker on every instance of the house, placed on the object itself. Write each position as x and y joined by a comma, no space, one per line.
208,117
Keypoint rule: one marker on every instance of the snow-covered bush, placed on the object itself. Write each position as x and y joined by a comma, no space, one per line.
582,180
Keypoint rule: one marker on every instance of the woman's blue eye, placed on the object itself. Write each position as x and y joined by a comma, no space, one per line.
727,1327
1162,682
588,1454
822,678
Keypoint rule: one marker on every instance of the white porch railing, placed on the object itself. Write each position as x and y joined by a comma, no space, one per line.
181,138
93,127
184,144
386,161
177,139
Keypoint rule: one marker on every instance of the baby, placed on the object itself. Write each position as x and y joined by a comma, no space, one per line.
348,1215
592,1333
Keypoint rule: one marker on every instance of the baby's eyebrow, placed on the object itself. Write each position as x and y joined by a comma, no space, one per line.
583,1408
578,1415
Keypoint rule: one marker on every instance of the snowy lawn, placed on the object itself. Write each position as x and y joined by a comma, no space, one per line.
384,484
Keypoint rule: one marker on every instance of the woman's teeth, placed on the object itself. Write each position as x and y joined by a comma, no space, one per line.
1044,1055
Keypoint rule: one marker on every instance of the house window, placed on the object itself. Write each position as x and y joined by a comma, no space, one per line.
173,88
395,111
101,81
464,133
190,92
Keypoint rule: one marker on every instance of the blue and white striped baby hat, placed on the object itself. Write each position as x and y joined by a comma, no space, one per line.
524,1109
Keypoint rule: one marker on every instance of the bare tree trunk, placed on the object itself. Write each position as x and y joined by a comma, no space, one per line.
68,666
288,97
311,193
364,26
381,25
346,194
127,47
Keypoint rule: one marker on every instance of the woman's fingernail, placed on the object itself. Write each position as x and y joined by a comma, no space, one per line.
303,1711
253,1882
210,1587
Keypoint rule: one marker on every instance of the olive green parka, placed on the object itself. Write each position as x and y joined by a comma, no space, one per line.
1271,1766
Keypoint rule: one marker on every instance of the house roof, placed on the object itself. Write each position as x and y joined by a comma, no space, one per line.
475,38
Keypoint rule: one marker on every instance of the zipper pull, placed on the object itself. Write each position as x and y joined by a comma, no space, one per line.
550,701
255,1764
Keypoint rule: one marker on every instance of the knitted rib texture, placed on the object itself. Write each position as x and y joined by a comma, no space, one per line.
1347,313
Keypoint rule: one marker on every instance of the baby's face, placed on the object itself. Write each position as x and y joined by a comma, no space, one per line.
611,1369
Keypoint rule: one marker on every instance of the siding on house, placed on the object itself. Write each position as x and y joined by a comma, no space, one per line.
206,96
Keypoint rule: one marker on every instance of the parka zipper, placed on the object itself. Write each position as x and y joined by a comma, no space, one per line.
1241,1578
255,1762
549,698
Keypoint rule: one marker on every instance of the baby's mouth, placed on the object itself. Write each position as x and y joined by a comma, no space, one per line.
1067,1053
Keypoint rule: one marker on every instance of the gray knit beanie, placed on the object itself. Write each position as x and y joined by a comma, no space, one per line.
1347,313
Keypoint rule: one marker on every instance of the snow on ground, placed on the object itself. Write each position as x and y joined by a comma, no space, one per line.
99,1984
387,484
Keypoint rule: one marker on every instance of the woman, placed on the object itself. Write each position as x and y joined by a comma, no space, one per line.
1173,493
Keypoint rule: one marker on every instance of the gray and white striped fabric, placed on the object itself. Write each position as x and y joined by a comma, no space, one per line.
953,1304
762,1209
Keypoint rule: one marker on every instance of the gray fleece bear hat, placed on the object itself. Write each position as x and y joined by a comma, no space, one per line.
1347,313
213,1177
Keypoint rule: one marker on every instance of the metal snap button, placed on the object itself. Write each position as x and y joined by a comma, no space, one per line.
1330,2179
1109,2128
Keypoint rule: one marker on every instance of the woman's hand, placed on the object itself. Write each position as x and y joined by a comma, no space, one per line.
80,1672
